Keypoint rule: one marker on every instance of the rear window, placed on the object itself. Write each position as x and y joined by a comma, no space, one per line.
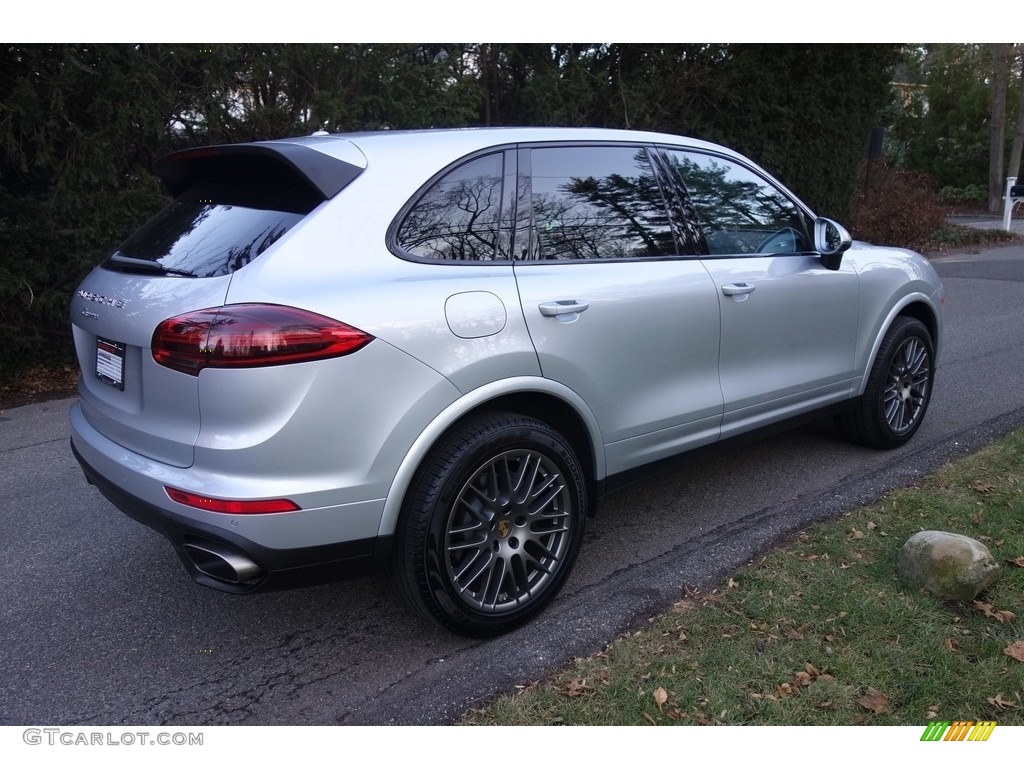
223,221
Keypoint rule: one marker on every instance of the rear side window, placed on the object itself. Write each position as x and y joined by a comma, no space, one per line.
458,218
597,203
223,221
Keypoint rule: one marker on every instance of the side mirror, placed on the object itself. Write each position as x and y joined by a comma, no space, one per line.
831,240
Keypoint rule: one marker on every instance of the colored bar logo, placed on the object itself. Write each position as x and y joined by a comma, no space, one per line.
958,730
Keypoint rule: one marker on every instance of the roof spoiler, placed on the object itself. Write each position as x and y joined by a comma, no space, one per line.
325,174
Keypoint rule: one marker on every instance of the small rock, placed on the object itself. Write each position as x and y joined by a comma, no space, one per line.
950,566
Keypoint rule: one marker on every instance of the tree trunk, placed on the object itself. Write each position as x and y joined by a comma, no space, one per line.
1013,168
997,125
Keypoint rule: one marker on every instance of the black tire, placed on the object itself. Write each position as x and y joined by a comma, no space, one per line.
491,526
898,390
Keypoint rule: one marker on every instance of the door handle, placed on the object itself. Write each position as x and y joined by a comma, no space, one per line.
567,307
738,289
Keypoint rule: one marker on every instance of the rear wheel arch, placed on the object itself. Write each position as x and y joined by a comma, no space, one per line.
540,400
563,418
553,411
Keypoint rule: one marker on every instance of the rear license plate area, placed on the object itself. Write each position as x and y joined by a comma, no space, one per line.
110,362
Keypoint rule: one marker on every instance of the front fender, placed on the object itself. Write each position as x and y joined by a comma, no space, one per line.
893,282
914,305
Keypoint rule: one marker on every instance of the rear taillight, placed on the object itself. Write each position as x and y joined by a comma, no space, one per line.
231,506
251,336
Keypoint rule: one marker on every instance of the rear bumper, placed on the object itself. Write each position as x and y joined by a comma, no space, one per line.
274,568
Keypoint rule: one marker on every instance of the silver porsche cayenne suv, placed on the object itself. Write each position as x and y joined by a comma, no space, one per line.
432,352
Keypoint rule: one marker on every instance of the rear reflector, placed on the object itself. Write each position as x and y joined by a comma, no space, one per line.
230,506
251,336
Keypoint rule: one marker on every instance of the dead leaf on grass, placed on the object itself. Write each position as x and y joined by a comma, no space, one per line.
1018,561
982,487
1015,650
1000,703
874,701
792,634
986,609
982,607
576,688
660,696
855,534
802,678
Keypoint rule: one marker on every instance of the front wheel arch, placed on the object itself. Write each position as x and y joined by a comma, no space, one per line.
898,388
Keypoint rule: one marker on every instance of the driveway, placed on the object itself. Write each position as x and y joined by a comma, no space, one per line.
991,221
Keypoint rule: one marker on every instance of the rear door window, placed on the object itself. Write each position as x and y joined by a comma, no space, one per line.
597,203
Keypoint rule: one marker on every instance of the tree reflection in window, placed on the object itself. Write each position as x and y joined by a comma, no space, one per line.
598,203
738,209
458,218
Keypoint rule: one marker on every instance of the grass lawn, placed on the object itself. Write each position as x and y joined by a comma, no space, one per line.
821,632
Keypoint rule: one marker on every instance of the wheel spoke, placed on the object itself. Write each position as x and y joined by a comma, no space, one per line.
492,480
466,581
492,587
917,358
539,505
526,477
476,542
542,560
479,506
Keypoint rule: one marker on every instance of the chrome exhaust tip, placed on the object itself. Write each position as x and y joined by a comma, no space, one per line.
220,562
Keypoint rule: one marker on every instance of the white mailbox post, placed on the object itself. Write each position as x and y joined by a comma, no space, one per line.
1010,202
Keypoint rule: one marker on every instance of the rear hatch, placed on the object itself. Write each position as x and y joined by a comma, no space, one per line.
232,204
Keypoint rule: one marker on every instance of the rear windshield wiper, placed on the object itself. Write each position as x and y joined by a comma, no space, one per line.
148,266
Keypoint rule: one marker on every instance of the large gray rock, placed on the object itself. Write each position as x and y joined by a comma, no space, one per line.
950,566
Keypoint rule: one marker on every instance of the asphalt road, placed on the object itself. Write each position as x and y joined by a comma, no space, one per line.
99,625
